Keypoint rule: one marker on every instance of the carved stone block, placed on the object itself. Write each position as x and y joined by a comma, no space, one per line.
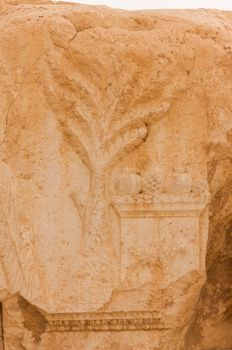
115,178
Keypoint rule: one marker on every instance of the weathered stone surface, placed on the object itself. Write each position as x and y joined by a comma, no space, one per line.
115,172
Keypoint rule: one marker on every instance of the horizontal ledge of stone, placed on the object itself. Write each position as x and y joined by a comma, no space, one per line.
102,325
159,209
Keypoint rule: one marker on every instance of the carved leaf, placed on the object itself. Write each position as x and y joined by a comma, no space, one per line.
123,142
148,113
68,86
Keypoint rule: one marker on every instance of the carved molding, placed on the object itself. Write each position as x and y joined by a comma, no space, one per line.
102,322
165,206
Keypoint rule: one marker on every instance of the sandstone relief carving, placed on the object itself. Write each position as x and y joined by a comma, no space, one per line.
115,178
102,322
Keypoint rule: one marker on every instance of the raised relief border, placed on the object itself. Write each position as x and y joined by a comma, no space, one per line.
102,322
189,205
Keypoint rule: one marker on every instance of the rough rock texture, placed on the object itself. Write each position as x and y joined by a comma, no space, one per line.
115,178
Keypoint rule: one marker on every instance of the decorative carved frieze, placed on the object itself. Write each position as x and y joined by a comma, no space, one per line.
102,322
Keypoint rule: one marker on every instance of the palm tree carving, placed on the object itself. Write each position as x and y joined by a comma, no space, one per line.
101,123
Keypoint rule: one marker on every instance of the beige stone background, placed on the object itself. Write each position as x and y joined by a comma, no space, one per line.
115,175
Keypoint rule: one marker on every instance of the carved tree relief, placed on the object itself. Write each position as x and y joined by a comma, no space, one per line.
101,127
106,149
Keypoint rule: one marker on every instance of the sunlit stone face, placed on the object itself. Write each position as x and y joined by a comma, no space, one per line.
113,124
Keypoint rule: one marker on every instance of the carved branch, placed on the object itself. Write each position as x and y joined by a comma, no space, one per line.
73,88
148,113
78,146
121,99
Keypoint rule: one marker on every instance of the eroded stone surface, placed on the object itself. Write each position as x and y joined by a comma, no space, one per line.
115,168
